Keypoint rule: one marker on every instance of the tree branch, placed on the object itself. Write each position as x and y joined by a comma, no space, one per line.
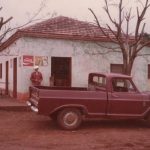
107,47
31,20
2,36
103,31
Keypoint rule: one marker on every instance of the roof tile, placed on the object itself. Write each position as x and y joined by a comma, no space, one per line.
66,26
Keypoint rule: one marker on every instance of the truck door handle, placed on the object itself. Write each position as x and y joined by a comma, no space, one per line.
114,95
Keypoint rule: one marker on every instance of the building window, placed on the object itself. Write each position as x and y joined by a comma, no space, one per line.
116,68
148,71
0,71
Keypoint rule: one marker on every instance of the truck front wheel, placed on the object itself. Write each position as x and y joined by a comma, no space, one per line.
69,118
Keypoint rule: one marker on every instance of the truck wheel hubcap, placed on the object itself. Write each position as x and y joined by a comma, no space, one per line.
70,119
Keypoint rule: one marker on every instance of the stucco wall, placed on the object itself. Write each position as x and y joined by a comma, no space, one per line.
82,63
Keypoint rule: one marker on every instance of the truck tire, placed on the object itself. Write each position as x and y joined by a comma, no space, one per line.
69,118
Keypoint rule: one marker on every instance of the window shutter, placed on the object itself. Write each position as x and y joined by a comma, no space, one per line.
116,68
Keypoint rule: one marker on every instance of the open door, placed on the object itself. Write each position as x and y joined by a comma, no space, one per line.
61,71
15,77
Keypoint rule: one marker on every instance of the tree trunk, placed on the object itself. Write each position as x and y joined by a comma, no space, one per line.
127,65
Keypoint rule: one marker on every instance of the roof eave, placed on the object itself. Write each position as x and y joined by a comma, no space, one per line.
20,34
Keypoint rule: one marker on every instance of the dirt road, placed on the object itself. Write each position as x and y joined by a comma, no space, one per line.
28,131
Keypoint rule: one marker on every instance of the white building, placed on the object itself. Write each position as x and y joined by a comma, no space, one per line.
61,47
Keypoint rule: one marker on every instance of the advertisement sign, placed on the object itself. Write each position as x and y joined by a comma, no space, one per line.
41,60
28,60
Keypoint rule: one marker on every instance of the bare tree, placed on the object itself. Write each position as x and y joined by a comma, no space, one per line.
6,29
3,23
130,45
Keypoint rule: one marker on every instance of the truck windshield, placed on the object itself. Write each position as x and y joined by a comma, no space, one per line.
122,85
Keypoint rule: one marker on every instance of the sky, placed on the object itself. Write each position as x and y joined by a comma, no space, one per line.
22,10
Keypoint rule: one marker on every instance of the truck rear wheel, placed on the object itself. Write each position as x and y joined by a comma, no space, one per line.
69,118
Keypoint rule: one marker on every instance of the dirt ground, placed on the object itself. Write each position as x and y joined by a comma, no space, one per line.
29,131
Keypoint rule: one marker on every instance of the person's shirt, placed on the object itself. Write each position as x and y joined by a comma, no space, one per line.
36,78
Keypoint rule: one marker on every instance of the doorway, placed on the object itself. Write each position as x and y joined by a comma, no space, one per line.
7,79
15,77
61,71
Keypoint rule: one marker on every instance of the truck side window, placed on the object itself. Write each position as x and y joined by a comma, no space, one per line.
122,85
98,83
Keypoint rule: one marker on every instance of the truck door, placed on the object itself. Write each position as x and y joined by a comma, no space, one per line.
125,100
97,95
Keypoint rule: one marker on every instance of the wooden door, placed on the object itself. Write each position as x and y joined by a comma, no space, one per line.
61,71
7,78
15,77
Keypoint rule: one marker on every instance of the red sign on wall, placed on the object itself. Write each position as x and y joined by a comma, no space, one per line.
28,60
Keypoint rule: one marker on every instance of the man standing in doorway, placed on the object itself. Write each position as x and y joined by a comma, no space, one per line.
36,77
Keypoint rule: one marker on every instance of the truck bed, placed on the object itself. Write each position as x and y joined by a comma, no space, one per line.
47,99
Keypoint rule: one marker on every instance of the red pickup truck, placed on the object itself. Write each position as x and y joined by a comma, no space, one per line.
107,96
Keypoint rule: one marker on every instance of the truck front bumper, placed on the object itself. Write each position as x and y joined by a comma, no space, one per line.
33,108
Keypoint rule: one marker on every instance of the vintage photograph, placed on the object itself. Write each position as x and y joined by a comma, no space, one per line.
74,75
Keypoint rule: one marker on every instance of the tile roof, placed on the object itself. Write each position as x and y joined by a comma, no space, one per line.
60,28
67,27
